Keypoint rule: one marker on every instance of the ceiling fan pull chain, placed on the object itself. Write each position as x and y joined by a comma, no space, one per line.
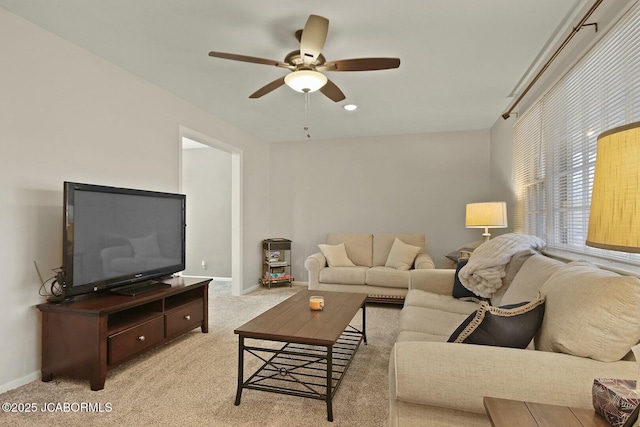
307,98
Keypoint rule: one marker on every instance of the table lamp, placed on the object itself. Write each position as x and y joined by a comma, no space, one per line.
614,224
486,215
614,221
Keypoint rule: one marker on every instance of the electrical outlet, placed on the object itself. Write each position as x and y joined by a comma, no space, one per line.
204,265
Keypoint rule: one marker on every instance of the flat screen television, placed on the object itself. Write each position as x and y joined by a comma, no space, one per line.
116,237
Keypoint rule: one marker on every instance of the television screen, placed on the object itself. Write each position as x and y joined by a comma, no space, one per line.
117,236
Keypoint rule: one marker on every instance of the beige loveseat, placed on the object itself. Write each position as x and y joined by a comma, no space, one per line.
591,320
374,270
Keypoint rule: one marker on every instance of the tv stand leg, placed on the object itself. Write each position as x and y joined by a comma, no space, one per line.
97,383
46,377
205,302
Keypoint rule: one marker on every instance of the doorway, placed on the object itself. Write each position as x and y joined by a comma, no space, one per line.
210,176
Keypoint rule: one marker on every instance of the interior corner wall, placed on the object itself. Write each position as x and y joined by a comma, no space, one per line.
66,114
384,184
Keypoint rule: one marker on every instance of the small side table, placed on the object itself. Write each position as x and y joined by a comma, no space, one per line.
514,413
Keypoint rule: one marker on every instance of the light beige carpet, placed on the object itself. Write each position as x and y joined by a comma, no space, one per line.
192,380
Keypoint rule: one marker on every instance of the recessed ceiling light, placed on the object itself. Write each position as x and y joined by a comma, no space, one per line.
350,107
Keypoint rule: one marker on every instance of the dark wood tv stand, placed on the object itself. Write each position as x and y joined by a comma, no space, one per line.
89,335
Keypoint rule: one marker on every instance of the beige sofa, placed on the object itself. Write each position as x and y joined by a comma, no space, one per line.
373,271
591,320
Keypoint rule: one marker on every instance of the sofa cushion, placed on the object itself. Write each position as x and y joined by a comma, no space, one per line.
590,313
532,275
336,255
343,275
401,256
359,246
507,326
382,244
425,299
387,277
430,321
419,336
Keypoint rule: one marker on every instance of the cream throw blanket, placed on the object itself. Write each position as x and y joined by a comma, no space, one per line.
484,272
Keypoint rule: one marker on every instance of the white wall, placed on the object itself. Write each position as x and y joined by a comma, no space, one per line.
501,158
206,180
68,115
394,184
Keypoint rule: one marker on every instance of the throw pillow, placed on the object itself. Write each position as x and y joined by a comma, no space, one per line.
401,255
459,291
590,313
512,325
146,247
336,255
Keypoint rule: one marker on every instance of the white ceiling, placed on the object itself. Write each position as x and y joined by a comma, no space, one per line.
460,59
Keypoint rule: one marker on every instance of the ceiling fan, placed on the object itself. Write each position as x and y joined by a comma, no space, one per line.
307,64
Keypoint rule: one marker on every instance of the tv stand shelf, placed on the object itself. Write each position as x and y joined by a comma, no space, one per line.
89,335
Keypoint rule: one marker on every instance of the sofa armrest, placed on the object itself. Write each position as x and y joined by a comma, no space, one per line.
314,263
437,280
457,376
424,261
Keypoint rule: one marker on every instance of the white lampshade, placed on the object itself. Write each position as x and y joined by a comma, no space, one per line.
486,215
614,221
305,80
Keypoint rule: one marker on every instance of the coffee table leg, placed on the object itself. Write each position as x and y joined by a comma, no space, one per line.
240,369
364,322
329,382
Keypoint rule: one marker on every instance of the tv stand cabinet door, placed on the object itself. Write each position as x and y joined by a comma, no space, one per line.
74,345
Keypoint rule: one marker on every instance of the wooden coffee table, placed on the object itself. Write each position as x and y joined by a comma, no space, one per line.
515,413
318,346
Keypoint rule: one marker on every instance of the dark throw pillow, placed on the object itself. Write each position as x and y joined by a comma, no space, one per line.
459,291
512,325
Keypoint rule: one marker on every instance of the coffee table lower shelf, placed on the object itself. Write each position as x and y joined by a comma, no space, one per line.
302,370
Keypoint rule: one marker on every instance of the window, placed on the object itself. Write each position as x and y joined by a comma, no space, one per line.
555,140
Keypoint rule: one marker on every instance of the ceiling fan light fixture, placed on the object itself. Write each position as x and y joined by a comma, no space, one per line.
305,80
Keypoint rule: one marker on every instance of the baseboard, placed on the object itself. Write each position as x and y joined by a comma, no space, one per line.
258,286
251,289
20,382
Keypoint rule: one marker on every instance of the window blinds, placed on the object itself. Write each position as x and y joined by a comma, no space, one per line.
555,140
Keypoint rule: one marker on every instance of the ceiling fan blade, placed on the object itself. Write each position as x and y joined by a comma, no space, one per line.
333,92
360,64
251,59
267,88
313,37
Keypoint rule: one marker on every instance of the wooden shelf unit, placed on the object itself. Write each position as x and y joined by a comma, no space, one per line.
89,335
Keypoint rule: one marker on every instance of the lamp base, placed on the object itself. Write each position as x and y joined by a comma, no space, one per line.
486,234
